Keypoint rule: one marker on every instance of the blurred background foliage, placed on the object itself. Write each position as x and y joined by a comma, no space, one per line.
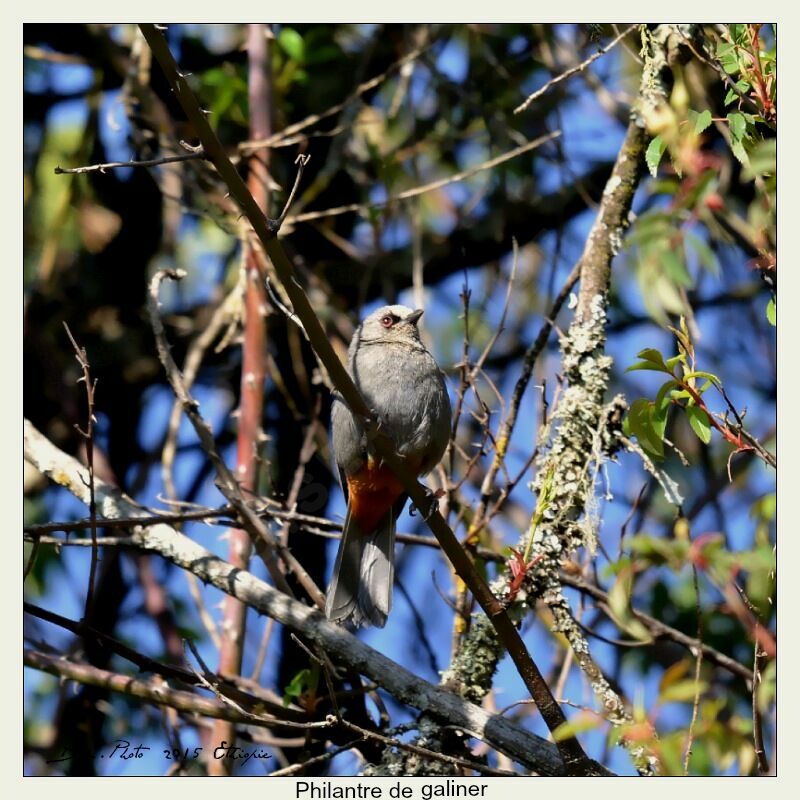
702,247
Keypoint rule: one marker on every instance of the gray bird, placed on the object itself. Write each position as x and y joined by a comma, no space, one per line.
401,382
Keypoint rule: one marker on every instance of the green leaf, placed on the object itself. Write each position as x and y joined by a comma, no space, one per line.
742,86
653,225
739,34
701,120
683,691
772,312
700,374
726,53
651,354
663,401
296,686
580,723
675,268
675,360
674,673
319,55
765,507
657,551
292,43
763,160
705,387
643,428
655,150
698,419
738,125
737,148
658,416
653,360
619,597
705,255
766,689
645,365
304,681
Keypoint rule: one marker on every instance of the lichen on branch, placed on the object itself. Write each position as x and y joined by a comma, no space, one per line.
581,433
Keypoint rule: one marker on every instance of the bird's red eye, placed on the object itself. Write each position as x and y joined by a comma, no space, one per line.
387,321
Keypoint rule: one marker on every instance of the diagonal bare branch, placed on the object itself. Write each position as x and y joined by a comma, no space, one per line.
534,752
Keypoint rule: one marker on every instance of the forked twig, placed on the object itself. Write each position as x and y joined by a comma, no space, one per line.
88,436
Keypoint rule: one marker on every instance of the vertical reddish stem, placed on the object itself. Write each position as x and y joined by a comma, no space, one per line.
253,366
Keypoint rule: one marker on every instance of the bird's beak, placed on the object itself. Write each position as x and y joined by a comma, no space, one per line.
414,316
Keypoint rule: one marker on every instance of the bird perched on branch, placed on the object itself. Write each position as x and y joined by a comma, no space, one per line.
401,382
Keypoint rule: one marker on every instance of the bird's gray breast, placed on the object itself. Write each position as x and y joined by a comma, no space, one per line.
405,387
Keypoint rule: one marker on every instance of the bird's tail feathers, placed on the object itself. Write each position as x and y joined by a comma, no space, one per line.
363,575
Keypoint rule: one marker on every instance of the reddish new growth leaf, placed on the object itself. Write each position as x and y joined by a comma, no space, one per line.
696,554
519,569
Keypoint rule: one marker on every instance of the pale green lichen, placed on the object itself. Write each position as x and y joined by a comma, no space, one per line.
470,675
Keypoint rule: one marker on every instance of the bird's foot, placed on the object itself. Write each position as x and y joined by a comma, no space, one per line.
434,506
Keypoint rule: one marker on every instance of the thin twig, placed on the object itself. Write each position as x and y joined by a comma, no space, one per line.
264,540
128,522
463,603
624,527
312,119
574,70
155,692
528,363
226,313
419,625
281,306
659,629
88,437
758,732
32,557
428,187
150,162
301,161
323,662
263,646
169,671
210,682
478,365
320,759
423,751
697,664
320,526
307,451
713,62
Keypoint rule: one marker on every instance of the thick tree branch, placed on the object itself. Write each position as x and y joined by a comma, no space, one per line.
532,751
251,409
320,526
